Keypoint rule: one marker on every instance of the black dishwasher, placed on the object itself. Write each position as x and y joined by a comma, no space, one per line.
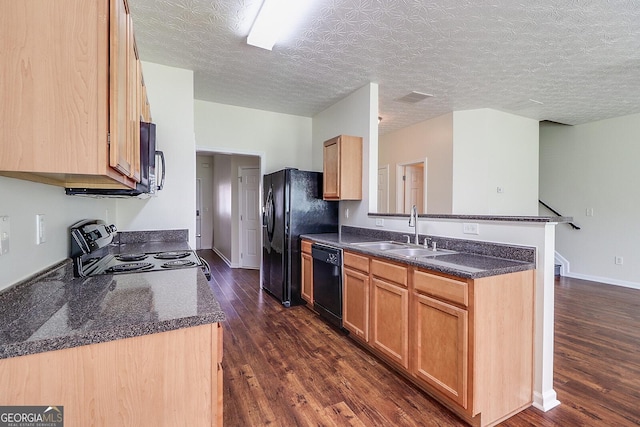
327,282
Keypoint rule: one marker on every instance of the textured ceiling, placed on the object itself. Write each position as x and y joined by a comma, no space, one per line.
579,58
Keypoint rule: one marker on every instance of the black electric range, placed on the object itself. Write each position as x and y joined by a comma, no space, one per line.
92,255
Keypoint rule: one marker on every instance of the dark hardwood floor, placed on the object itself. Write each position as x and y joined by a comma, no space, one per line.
286,367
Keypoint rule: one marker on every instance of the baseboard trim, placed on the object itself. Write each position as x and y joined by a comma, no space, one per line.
565,266
546,401
566,271
224,258
604,280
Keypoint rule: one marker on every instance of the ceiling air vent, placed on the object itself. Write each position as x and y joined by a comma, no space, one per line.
414,97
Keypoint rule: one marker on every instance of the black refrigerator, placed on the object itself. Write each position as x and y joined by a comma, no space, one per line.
292,206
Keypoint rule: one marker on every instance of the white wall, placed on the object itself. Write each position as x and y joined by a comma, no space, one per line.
170,92
432,140
356,115
493,149
595,166
222,206
283,140
22,201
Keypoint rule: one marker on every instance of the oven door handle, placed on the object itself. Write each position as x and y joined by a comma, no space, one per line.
206,268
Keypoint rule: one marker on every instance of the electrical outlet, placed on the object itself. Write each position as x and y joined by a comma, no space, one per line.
379,222
5,228
619,260
499,190
346,212
589,212
41,236
470,228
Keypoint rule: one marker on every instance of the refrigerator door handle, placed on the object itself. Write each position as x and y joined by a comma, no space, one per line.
270,214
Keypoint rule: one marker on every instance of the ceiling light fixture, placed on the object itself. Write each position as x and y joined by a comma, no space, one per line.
274,17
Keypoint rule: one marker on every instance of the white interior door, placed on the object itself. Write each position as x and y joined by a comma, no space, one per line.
383,189
414,187
250,225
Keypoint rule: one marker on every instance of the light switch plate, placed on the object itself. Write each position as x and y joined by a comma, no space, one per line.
5,234
41,235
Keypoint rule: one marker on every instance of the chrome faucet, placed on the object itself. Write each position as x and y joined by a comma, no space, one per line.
413,222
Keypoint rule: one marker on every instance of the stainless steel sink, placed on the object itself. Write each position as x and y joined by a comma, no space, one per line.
381,246
419,252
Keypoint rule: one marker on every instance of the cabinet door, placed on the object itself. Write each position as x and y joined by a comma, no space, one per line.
145,108
307,278
53,87
120,130
331,169
133,107
389,321
441,347
355,303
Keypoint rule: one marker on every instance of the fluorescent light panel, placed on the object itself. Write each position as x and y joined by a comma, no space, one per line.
273,19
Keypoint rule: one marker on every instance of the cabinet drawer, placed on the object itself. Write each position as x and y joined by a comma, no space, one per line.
359,262
455,291
391,272
305,246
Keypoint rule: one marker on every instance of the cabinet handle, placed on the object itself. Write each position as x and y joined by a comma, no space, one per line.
161,154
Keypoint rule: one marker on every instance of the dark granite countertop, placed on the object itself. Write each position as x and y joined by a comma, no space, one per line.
54,310
473,260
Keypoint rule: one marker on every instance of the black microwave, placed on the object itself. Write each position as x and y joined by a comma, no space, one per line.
148,184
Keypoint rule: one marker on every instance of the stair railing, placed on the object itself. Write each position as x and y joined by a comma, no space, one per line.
575,227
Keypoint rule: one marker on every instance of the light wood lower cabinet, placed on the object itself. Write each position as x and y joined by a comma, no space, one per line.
355,295
306,287
441,347
165,379
468,342
355,301
390,310
389,321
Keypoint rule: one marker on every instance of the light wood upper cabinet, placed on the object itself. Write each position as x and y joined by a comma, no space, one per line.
306,287
119,89
342,170
71,83
145,108
134,108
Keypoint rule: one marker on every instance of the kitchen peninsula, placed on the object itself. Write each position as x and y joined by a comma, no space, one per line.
123,349
443,320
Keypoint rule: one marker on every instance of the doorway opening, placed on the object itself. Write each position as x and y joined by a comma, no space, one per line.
383,189
229,197
411,188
